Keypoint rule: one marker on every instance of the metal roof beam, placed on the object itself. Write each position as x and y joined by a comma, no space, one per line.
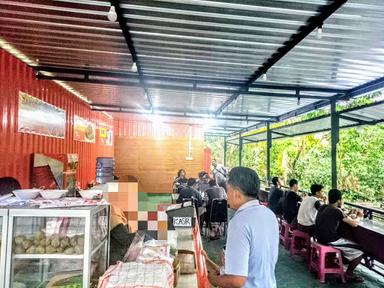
86,79
312,23
128,39
366,88
166,113
195,82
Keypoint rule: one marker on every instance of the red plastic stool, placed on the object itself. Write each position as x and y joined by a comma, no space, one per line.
305,247
285,234
318,261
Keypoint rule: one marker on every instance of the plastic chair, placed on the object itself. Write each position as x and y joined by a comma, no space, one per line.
319,255
305,247
218,212
285,234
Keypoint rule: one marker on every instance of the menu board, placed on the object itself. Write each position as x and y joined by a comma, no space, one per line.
84,130
38,117
105,135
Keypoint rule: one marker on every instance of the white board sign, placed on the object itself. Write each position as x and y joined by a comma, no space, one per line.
182,221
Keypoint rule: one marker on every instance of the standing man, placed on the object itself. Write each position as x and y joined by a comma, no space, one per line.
219,173
253,236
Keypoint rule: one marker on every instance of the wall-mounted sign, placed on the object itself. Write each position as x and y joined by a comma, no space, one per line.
41,118
105,135
182,221
84,130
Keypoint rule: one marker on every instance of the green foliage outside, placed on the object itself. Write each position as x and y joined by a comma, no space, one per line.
360,161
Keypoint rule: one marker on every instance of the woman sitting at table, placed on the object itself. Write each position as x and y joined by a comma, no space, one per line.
328,220
180,181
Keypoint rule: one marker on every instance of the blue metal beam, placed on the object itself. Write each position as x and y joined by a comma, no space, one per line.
312,23
366,88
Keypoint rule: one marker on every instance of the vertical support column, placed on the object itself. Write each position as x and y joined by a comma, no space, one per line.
269,145
240,150
334,140
225,152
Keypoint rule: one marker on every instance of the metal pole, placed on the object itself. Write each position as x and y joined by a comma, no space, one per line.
240,150
225,152
269,145
334,141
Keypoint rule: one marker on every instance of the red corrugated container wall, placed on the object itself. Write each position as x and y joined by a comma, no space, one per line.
16,148
141,128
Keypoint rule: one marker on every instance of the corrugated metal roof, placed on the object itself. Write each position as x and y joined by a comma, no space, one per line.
201,40
349,53
227,39
69,33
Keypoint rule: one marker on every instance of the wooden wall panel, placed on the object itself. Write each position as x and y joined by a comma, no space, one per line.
155,161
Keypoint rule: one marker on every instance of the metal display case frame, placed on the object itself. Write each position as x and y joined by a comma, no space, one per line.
86,212
3,249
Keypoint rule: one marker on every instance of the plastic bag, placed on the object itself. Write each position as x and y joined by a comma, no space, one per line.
135,247
154,250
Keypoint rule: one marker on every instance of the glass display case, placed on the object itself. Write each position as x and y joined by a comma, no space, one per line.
3,243
57,247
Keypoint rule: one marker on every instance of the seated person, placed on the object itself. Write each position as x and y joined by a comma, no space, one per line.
180,181
203,182
291,203
275,197
308,209
190,192
120,236
328,220
214,192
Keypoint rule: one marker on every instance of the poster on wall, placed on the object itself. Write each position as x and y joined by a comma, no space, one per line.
105,135
38,117
84,130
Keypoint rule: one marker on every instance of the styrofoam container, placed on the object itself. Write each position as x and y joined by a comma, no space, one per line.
52,194
26,194
91,194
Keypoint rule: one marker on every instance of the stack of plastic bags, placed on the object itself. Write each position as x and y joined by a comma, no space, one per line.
150,266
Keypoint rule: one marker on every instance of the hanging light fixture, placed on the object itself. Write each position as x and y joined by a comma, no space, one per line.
134,67
112,16
319,31
264,77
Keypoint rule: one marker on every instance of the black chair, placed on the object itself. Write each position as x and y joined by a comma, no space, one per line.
217,213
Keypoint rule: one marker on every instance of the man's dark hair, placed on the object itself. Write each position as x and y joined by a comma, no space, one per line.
316,188
275,180
334,195
293,182
246,180
191,182
202,173
212,182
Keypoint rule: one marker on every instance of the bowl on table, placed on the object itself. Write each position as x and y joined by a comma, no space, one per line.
52,194
26,194
91,194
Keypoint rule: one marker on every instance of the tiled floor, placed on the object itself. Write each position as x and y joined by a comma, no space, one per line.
289,273
294,273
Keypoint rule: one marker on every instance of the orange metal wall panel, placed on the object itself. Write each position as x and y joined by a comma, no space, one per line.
16,148
140,128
